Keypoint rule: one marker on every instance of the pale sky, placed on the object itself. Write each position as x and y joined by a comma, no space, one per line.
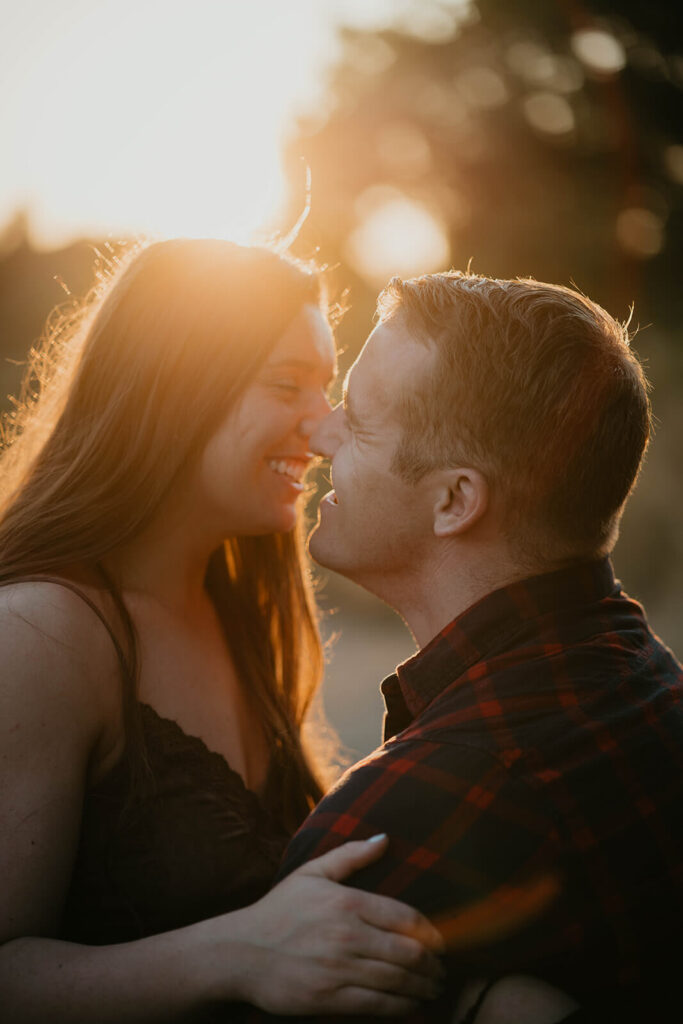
162,117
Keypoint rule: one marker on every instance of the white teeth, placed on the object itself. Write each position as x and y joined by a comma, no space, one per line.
294,470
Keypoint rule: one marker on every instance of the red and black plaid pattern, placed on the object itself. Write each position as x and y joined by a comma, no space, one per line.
538,740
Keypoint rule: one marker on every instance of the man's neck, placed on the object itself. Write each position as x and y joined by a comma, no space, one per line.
448,585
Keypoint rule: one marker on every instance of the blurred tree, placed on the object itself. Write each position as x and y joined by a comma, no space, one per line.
541,139
33,282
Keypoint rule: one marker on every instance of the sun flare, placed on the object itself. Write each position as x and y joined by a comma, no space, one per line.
133,116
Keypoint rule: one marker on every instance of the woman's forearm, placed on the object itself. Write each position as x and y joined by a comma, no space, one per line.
308,946
161,978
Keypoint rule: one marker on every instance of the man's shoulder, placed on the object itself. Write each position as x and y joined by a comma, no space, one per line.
412,788
529,705
602,669
410,763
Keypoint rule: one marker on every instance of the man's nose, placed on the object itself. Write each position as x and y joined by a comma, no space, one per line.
325,438
314,415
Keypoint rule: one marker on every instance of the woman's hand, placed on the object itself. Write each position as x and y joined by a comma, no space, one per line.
321,947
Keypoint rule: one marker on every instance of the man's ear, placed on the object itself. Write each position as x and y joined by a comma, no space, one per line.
462,499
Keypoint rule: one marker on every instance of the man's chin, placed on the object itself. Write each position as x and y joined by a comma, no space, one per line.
323,551
316,547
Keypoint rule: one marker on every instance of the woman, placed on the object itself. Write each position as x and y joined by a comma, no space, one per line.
156,674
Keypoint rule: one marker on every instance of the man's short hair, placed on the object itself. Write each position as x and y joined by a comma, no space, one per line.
536,386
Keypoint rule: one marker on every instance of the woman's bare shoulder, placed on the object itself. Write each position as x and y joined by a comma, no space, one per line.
53,644
53,604
57,726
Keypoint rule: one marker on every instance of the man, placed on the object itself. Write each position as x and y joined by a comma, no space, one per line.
489,436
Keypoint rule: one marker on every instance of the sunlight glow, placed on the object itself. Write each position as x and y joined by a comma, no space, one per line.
433,23
137,117
397,235
640,232
403,148
130,115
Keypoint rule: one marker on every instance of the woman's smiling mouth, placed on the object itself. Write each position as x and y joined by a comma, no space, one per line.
290,467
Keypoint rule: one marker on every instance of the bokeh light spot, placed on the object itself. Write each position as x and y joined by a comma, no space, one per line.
549,114
673,162
640,232
398,235
524,57
403,147
540,67
482,88
371,55
428,22
599,51
647,59
563,74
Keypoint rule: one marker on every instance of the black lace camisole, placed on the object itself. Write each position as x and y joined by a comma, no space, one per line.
195,844
199,844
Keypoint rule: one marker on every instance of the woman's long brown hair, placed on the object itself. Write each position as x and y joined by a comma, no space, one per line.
130,386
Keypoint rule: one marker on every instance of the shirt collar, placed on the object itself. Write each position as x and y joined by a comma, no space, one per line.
485,629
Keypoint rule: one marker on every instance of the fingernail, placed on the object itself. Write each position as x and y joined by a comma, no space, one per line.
378,838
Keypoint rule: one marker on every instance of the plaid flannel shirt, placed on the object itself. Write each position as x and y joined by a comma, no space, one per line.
538,736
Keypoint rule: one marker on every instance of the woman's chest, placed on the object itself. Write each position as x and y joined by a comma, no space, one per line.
188,675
